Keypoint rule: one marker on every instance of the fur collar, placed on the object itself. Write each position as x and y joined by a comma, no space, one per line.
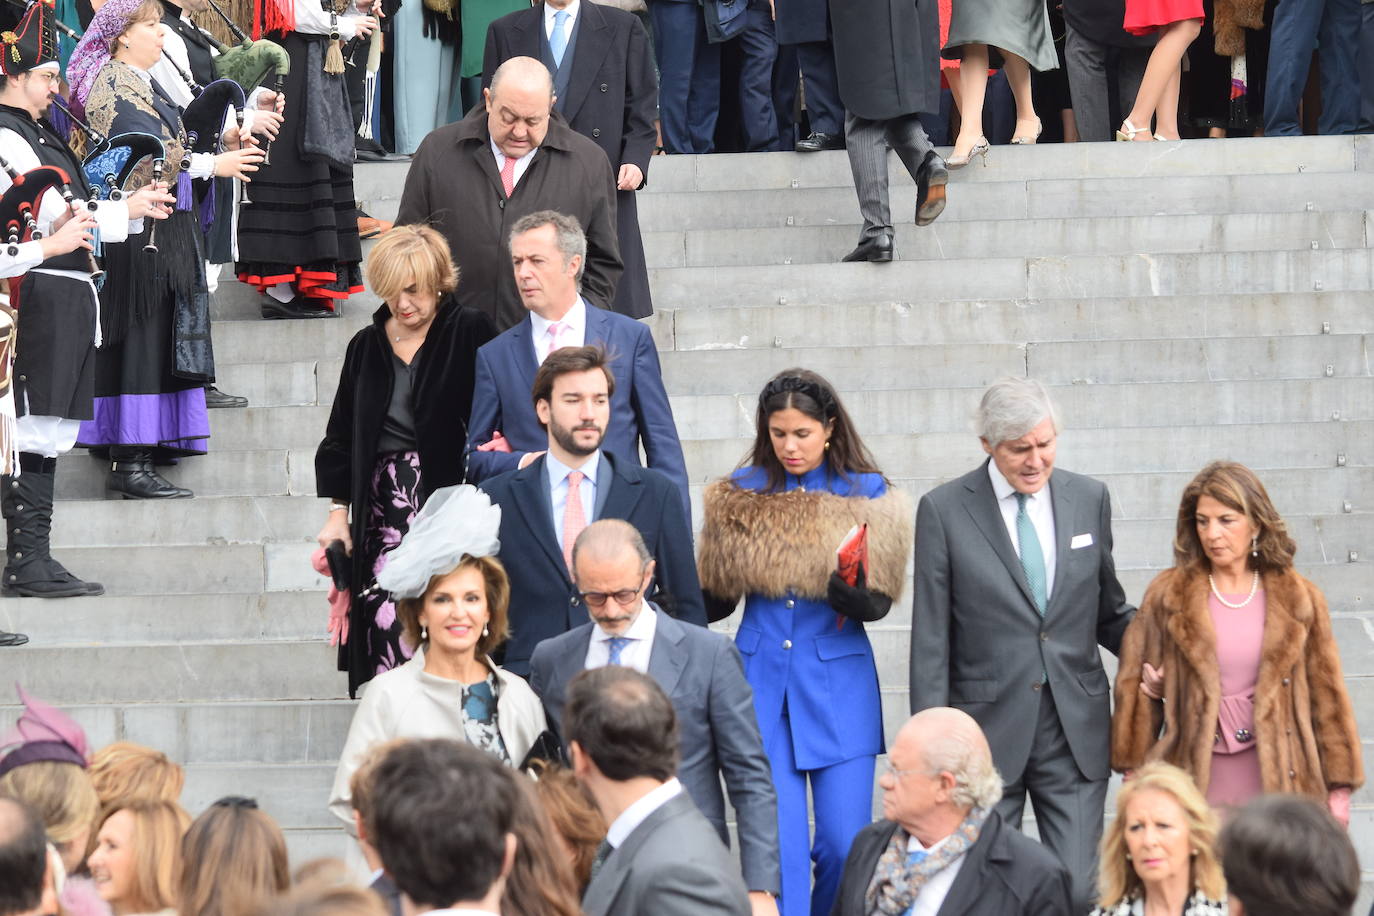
773,543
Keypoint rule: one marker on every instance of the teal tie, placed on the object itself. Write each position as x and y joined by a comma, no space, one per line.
616,645
558,41
1032,557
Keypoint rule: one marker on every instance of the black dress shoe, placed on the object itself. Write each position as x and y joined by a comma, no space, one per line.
216,398
819,141
296,308
877,249
136,479
931,179
12,639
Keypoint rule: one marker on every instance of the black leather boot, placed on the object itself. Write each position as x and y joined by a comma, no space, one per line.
30,571
132,476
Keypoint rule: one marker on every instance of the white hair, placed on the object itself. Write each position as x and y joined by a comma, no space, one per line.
1012,407
977,784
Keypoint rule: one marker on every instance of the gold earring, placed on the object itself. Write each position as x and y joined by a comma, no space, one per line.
827,445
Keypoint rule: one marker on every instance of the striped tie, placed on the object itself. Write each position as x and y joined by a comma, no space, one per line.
614,646
1032,557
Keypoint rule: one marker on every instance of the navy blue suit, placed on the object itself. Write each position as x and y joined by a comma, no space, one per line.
639,408
543,599
1298,27
688,76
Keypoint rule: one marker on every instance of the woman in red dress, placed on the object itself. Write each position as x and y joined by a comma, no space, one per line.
1178,23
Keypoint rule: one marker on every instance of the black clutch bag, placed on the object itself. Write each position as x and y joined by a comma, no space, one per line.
340,566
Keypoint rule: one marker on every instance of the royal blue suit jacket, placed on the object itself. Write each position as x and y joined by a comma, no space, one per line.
543,600
640,411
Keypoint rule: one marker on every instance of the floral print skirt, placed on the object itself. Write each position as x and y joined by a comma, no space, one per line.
392,503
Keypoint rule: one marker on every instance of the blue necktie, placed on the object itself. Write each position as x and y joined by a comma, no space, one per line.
616,645
558,41
915,857
1032,557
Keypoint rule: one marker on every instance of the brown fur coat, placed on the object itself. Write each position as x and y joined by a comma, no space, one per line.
1231,20
1304,724
768,543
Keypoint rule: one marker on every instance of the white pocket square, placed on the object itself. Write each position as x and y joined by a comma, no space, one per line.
1081,540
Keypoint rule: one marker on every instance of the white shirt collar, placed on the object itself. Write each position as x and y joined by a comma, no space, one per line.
572,11
638,812
501,157
558,471
575,319
1003,488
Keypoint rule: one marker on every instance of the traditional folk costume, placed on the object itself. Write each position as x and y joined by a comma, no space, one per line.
157,356
58,330
298,239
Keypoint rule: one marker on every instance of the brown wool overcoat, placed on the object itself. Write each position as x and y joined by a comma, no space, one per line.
1304,723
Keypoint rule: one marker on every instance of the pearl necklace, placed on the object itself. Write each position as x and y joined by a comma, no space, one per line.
1254,587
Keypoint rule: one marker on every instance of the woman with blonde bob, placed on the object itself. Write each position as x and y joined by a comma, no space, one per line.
136,864
398,429
1159,853
452,599
1229,670
234,861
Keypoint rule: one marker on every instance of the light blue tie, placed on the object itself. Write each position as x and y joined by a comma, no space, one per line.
915,857
558,41
616,645
1032,557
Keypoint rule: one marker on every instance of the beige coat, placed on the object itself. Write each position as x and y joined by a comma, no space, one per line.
1304,724
407,703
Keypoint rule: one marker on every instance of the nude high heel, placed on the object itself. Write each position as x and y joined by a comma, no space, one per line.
1023,140
979,149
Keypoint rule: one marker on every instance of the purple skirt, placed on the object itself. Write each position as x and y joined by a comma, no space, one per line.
391,506
174,422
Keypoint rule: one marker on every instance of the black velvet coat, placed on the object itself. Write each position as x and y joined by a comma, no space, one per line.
442,400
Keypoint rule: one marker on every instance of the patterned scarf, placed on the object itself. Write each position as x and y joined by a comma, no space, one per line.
896,884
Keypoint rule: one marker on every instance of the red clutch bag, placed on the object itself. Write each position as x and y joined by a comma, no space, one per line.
852,552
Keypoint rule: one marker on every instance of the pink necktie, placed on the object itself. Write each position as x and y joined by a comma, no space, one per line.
574,519
508,176
555,331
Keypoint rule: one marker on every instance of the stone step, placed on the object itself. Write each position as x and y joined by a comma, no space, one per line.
1189,158
1073,278
1011,320
165,618
193,570
810,244
225,471
1045,198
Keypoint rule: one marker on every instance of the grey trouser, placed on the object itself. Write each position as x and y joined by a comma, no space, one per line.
1090,83
868,142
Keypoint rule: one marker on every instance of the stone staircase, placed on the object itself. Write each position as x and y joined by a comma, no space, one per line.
1185,301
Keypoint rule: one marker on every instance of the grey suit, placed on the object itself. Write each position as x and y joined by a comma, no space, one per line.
672,864
718,732
1035,685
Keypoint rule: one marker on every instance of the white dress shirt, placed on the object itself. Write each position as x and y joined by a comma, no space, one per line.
638,812
636,653
574,335
934,891
558,489
1041,512
521,164
571,10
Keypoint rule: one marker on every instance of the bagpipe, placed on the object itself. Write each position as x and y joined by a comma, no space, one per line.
21,202
251,63
110,163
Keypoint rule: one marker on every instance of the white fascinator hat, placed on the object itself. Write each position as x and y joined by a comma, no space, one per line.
455,522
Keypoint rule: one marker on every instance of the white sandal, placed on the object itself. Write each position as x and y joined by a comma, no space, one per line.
1127,131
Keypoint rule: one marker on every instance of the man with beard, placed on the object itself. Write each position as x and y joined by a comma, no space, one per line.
546,505
549,251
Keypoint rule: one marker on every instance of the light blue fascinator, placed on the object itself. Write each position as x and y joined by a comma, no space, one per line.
456,522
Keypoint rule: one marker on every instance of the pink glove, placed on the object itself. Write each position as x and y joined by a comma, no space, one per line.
498,443
338,602
1338,800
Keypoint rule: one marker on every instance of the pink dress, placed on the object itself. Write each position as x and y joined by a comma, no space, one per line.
1235,758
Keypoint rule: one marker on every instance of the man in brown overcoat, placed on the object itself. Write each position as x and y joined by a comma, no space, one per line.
473,179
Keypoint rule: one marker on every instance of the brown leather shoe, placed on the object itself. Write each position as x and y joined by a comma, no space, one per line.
369,228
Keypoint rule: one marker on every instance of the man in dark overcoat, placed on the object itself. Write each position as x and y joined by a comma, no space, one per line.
887,56
473,179
805,25
605,88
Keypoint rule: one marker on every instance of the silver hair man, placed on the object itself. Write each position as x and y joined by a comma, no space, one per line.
1012,407
568,234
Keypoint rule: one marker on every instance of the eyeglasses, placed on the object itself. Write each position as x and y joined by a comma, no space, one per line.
898,774
625,597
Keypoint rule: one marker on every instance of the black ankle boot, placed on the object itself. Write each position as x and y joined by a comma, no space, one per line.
30,571
132,476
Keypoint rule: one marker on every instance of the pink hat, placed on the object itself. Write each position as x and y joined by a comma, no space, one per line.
42,733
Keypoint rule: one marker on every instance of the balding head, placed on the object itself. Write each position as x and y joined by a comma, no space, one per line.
518,106
612,568
940,766
23,858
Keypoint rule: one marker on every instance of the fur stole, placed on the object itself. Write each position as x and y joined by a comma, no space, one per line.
770,543
1230,21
